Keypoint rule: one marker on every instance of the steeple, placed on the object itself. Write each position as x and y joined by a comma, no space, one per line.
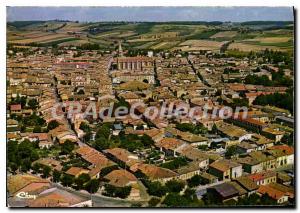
120,51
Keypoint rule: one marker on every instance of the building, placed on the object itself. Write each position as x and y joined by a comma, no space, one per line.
134,63
263,178
250,165
277,195
225,169
267,161
224,192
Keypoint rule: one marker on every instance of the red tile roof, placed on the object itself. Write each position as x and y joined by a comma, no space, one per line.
15,107
273,193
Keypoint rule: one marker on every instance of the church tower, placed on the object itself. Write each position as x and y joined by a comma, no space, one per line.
120,50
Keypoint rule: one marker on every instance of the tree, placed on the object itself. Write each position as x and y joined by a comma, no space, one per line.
107,170
67,147
266,200
46,171
92,186
102,143
67,180
176,163
285,101
211,200
175,200
103,131
251,200
196,180
37,129
230,151
155,188
22,155
258,80
147,140
85,127
153,202
13,167
113,191
175,186
56,176
36,167
33,103
188,127
52,125
25,165
81,180
214,129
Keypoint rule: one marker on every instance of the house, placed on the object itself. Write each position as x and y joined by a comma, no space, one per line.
76,171
44,139
242,192
22,183
284,120
250,165
247,184
154,173
245,147
284,155
273,134
277,195
169,146
223,192
263,178
121,156
194,140
16,109
117,128
54,164
284,178
288,190
12,126
225,169
120,178
196,155
267,161
261,142
233,132
248,123
188,171
97,160
209,178
55,197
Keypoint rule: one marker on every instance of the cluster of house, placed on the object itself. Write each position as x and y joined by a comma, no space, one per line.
258,165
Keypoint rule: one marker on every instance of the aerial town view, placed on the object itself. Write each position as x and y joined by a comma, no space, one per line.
150,107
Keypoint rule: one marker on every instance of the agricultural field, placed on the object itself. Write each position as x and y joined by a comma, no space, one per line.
187,36
250,47
196,45
42,38
164,45
224,34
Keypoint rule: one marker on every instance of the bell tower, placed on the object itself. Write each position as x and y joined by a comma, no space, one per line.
120,50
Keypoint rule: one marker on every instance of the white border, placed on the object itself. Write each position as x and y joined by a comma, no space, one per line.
114,3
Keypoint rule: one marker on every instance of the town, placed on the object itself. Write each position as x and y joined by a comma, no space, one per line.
75,159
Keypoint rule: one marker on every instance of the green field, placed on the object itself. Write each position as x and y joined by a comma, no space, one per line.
251,36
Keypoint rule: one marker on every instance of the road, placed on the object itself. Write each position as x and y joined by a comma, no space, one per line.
80,143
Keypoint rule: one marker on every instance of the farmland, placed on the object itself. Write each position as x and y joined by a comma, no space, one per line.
186,36
190,45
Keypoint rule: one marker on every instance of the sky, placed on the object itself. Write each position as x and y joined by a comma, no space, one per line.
155,14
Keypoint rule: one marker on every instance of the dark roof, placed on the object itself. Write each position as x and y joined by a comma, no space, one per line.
226,190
